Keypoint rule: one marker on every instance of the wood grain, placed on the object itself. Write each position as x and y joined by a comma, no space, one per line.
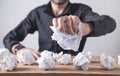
64,70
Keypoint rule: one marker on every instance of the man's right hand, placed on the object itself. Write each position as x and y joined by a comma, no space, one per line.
35,53
72,23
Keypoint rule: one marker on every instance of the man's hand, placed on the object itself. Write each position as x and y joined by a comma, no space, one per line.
72,23
35,53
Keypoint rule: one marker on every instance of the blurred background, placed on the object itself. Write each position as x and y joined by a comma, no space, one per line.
12,12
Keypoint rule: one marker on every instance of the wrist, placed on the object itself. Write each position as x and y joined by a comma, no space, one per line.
17,47
87,28
90,25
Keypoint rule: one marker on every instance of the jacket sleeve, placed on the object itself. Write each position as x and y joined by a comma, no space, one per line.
19,33
102,24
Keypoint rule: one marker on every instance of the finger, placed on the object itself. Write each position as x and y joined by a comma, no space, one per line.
61,23
21,50
55,22
38,53
76,21
35,55
69,25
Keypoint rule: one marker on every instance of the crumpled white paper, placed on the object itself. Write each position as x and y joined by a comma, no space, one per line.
81,62
46,61
8,61
107,61
26,57
64,59
90,56
118,59
46,53
65,40
57,56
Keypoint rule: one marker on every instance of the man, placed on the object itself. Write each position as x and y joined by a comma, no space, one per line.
56,13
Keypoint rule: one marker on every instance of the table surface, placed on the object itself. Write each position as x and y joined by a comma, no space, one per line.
33,70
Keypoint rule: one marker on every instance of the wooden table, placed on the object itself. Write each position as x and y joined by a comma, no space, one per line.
62,70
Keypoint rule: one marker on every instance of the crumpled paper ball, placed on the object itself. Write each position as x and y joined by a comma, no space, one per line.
81,62
46,53
8,61
57,56
46,61
107,61
90,56
66,40
26,57
118,59
64,59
